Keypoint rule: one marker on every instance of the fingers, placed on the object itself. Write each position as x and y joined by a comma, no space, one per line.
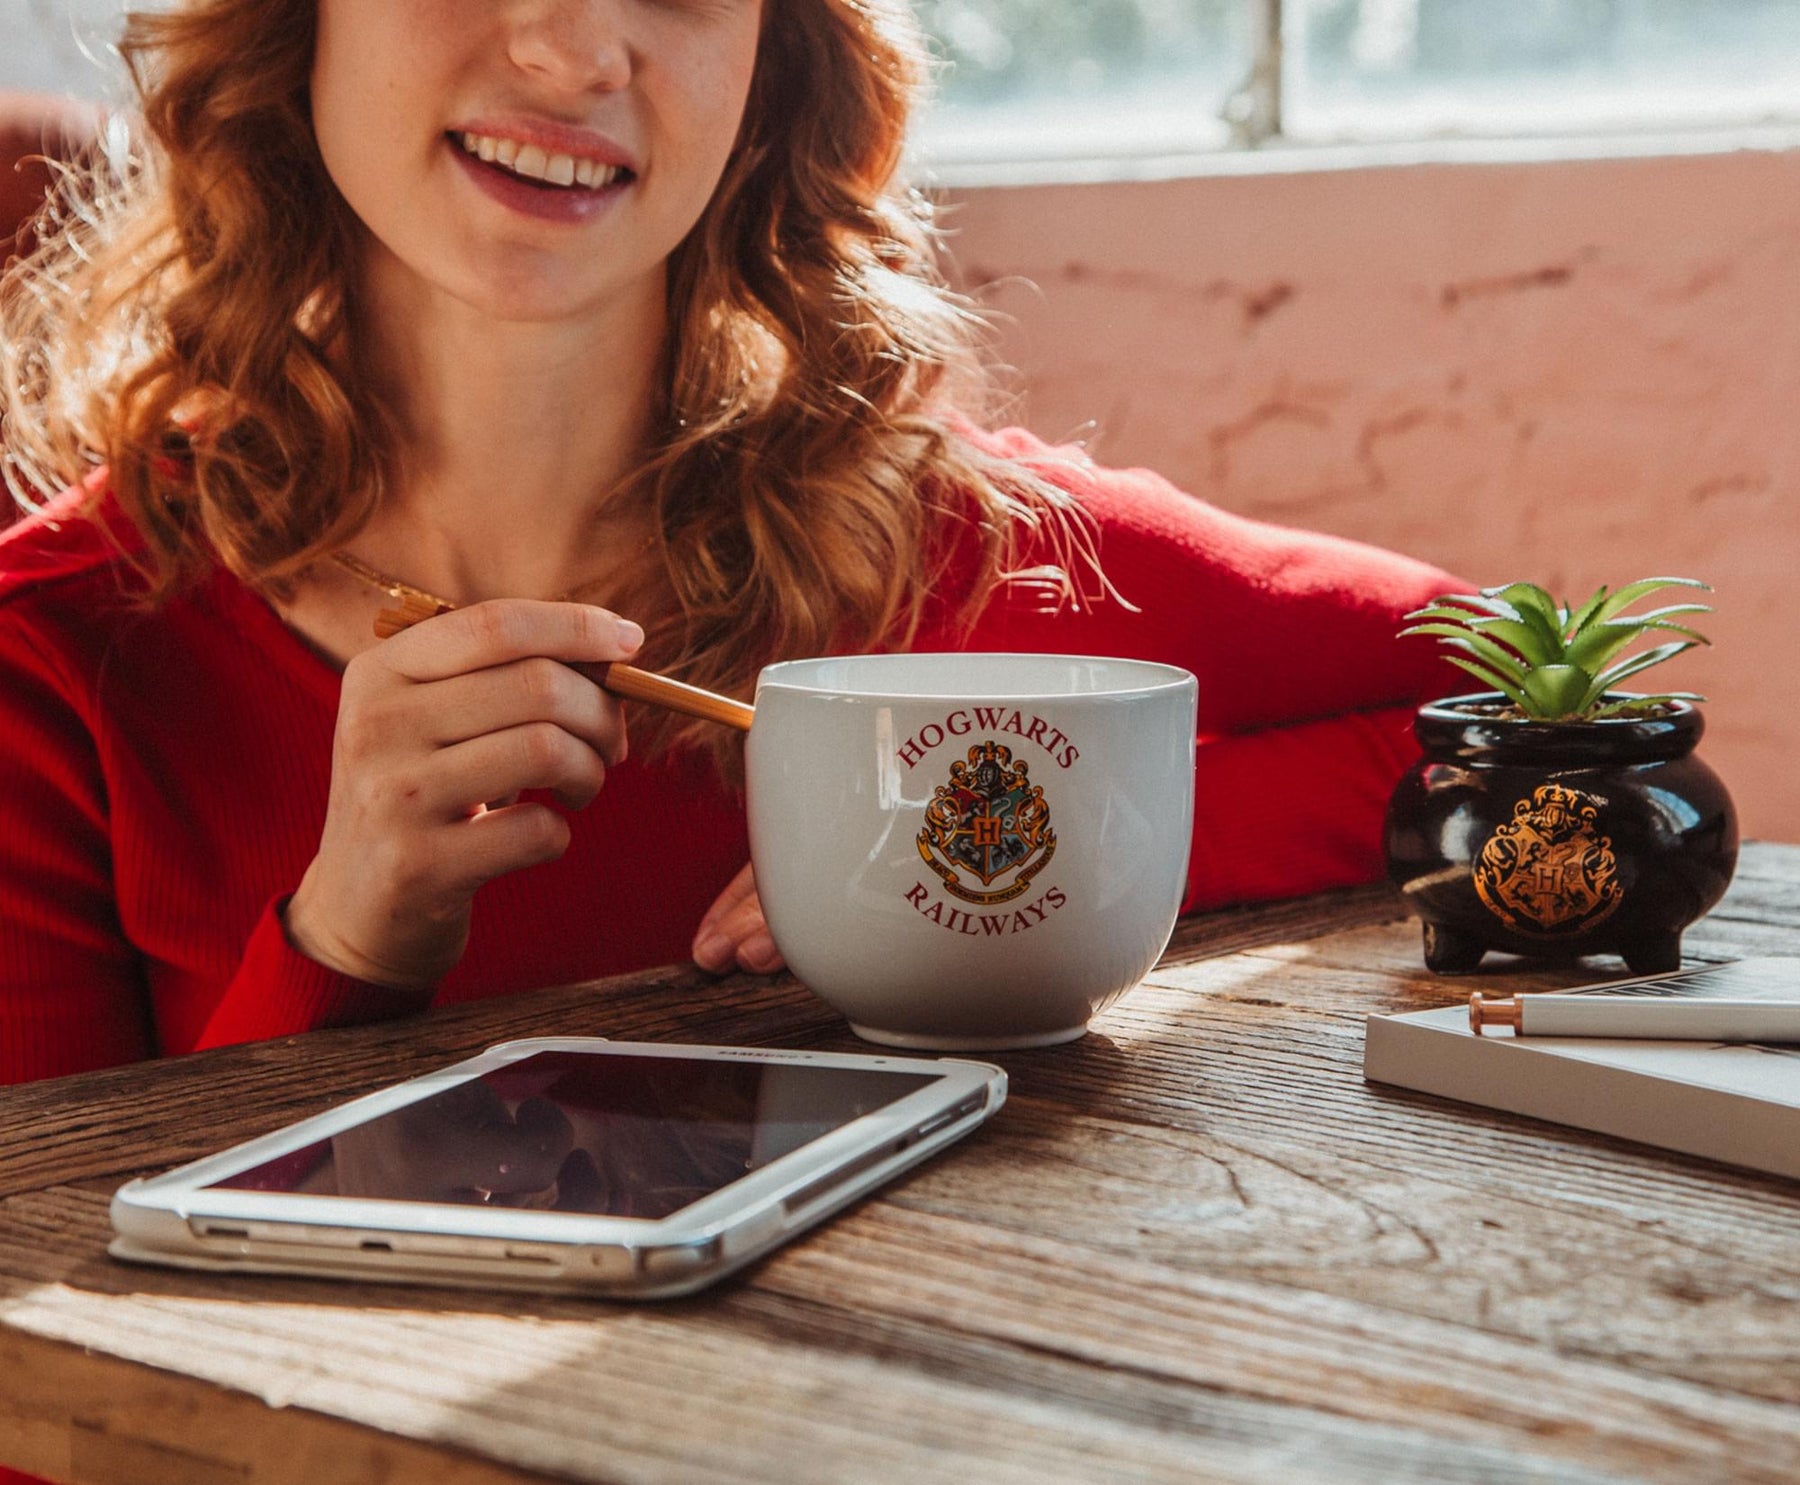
440,729
715,949
498,632
757,954
532,690
395,728
498,765
509,838
734,934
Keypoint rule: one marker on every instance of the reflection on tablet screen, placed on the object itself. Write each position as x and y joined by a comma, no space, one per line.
610,1135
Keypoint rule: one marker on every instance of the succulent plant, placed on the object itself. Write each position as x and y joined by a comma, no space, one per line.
1555,663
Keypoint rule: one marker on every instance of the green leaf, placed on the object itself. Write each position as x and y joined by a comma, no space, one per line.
1579,620
1489,679
1631,592
1602,641
1607,679
1536,644
1444,613
1598,644
1640,703
1475,642
1500,661
1523,596
1663,613
1557,691
1535,607
1693,634
1644,661
1465,605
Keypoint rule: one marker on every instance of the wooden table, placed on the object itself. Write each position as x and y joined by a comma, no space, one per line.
1195,1246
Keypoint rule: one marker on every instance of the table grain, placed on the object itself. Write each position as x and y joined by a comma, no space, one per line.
1194,1246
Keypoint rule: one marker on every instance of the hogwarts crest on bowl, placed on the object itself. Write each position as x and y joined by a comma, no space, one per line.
971,851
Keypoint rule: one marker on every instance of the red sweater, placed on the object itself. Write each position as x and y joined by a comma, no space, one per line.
163,775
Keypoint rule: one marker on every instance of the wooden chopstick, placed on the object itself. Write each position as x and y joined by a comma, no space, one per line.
620,679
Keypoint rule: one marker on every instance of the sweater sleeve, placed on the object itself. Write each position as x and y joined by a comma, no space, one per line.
278,991
72,994
1294,809
75,991
1306,694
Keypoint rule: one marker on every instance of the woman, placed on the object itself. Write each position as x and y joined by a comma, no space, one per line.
597,330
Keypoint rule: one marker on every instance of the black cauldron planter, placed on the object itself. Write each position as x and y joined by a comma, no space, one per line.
1558,838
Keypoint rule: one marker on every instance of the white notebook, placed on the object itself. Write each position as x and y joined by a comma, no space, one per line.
1735,1102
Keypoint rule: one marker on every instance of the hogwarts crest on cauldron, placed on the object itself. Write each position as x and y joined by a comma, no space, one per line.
987,832
1548,872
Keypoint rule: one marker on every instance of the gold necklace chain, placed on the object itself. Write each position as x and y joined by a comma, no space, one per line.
416,604
394,588
390,585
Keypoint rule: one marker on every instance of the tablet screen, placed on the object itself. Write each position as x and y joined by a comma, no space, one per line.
609,1134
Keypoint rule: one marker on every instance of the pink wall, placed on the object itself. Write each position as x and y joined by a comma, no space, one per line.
1575,372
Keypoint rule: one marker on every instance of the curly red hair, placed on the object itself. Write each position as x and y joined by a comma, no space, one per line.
190,324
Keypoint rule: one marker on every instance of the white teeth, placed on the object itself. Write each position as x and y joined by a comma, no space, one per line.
536,163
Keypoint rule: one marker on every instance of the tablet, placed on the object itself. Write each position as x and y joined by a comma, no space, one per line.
623,1168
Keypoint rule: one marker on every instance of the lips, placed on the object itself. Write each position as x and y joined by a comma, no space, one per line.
557,175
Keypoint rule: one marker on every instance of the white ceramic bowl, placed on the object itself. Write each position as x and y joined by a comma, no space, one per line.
971,850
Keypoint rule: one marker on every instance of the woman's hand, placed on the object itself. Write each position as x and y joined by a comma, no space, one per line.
439,729
733,934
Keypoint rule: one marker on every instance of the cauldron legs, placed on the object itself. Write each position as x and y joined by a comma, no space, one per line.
1448,952
1658,954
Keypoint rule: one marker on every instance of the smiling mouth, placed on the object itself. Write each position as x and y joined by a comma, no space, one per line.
540,167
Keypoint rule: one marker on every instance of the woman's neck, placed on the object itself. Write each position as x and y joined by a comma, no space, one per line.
514,438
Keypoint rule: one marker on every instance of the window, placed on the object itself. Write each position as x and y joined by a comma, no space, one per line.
1038,79
1042,78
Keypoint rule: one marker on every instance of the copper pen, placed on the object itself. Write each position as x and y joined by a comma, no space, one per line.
659,690
1640,1017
